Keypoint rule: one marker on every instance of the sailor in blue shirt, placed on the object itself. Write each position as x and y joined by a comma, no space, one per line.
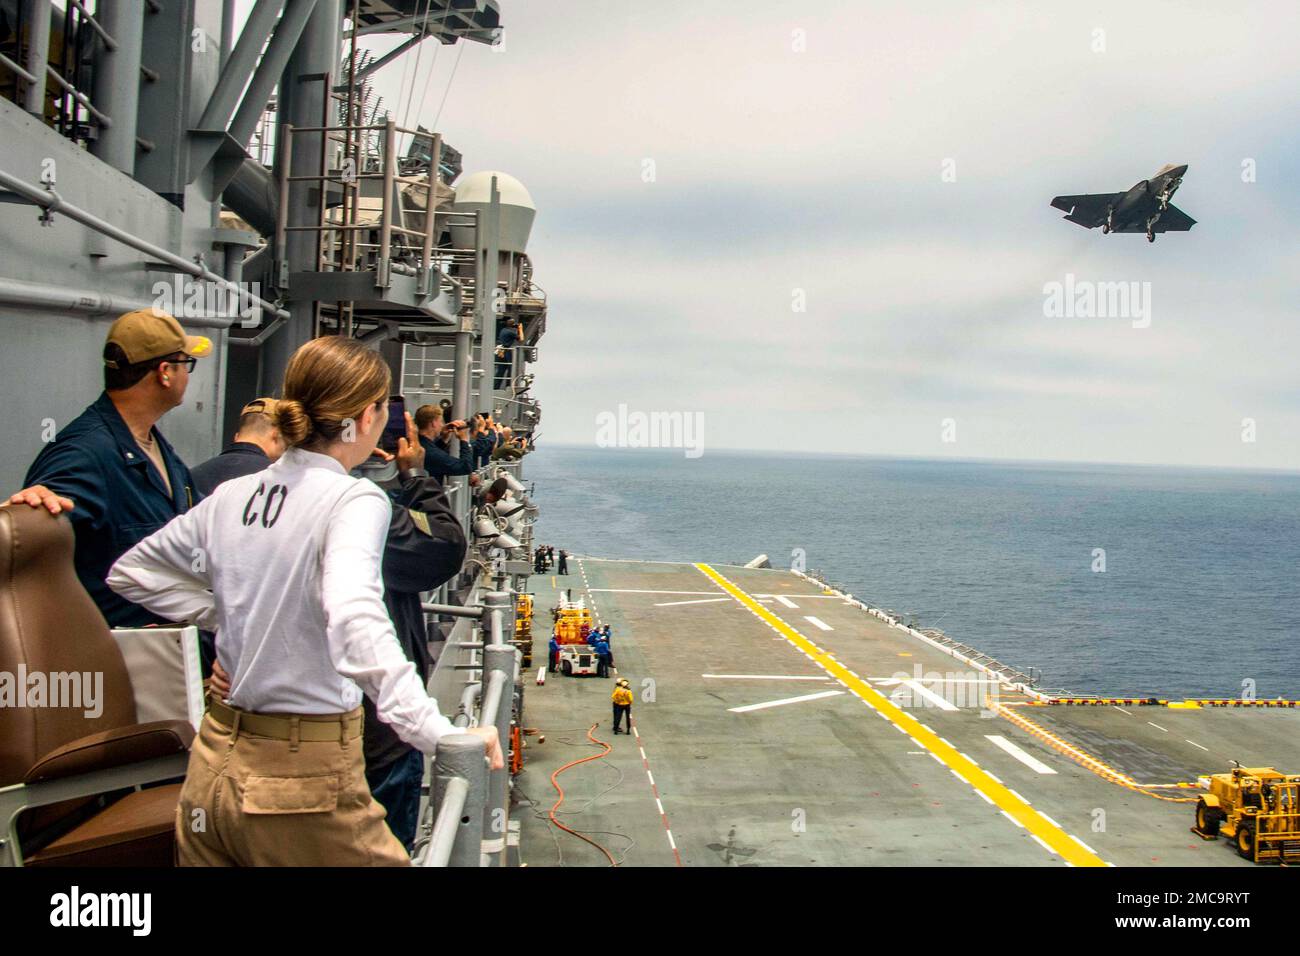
603,657
507,339
112,471
438,461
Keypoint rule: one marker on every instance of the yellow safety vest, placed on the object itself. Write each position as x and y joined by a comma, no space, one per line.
621,695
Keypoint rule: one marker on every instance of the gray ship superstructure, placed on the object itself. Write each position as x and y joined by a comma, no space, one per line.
253,181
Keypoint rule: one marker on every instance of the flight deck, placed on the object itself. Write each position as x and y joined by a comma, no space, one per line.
780,723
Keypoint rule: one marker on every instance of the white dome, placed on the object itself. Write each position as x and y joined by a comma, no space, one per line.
476,187
516,210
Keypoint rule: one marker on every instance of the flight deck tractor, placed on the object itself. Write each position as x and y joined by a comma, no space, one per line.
1257,808
573,625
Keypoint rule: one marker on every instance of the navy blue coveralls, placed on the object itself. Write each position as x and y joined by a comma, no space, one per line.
120,498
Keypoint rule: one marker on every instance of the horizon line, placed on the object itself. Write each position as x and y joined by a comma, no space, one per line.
975,460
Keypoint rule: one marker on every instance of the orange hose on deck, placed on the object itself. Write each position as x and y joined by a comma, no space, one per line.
560,790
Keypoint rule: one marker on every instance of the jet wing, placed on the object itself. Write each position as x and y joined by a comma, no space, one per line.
1172,219
1088,210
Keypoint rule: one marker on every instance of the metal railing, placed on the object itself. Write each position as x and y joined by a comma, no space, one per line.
468,818
342,237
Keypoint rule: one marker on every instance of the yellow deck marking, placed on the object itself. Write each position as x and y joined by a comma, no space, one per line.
1022,813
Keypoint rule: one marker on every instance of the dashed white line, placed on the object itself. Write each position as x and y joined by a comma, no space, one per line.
1030,761
786,601
818,622
1195,744
1081,843
1157,726
1043,845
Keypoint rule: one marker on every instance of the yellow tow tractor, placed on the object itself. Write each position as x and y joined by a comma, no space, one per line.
1257,808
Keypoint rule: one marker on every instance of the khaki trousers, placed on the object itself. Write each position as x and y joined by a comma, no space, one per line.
257,801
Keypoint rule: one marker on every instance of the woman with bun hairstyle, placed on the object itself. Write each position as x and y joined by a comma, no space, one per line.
284,565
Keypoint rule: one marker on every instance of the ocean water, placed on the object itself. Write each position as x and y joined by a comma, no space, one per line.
1198,595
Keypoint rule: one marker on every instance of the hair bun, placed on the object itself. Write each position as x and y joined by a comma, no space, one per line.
293,421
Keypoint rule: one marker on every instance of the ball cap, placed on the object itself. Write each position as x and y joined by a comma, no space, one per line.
263,406
149,334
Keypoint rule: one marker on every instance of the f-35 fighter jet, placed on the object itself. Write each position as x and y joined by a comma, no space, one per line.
1144,208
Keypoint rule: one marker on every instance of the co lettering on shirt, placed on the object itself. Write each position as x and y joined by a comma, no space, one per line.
268,508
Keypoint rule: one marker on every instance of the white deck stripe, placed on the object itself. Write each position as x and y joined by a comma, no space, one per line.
639,591
786,601
1030,761
818,622
788,700
822,677
931,696
676,603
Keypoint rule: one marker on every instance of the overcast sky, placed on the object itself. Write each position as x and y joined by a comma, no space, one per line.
802,147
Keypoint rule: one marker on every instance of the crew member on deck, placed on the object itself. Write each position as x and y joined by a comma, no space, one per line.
622,698
292,586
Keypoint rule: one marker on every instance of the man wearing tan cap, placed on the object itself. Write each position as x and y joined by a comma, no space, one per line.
257,443
110,469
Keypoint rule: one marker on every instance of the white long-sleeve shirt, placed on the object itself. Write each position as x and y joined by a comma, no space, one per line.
285,566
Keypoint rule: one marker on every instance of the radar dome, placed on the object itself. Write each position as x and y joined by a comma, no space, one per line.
473,194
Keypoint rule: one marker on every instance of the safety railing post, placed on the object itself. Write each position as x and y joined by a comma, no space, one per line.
389,207
459,757
497,706
498,633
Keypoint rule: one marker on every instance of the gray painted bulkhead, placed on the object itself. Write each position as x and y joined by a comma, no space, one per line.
50,361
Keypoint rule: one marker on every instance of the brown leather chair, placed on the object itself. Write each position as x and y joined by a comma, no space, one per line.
76,783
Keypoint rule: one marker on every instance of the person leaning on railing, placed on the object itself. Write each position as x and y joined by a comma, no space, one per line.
292,586
110,469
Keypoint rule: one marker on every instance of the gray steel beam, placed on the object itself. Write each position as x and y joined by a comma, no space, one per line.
278,51
387,58
117,82
400,24
240,64
488,257
165,111
304,100
227,31
36,14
